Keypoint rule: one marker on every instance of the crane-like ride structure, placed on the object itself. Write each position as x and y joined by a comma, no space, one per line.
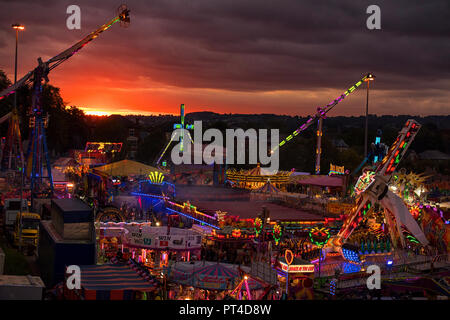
184,127
37,149
319,116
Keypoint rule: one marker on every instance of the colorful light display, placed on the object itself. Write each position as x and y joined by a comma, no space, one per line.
398,148
332,287
277,233
156,177
350,253
319,236
236,233
338,170
364,181
321,112
103,147
182,126
258,224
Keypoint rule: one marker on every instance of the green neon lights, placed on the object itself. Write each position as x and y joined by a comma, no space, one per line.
321,111
319,236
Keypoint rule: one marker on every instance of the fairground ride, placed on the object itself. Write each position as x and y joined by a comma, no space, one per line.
372,188
12,153
184,127
319,116
37,149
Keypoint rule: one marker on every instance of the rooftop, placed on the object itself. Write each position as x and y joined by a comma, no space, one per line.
237,202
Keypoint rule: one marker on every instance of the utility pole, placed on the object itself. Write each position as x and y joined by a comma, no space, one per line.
18,27
370,77
319,145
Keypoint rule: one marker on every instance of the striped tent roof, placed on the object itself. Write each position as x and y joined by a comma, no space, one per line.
126,168
114,277
268,187
217,270
213,276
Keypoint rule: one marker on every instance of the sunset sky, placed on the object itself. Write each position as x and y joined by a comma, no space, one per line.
247,56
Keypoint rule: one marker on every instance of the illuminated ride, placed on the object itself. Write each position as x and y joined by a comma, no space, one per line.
184,127
319,116
372,188
12,153
37,149
255,179
243,290
110,214
377,152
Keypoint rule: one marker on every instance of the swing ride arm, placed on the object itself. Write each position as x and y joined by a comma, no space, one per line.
322,111
372,186
124,16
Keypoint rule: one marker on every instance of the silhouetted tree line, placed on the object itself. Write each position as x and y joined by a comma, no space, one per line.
69,128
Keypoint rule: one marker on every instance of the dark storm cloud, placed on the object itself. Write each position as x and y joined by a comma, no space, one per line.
252,45
276,45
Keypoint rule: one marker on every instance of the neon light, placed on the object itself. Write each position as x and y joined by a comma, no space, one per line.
277,232
248,289
364,181
182,125
289,257
190,217
319,236
236,233
258,225
351,255
321,112
148,195
156,177
103,147
332,287
307,268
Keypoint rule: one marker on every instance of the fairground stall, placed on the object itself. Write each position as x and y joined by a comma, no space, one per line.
152,246
296,276
206,280
257,178
118,178
126,281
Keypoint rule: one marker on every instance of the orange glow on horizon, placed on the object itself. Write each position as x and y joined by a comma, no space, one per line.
124,112
96,113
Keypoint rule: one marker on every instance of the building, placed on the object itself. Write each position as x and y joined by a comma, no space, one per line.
340,144
434,155
67,239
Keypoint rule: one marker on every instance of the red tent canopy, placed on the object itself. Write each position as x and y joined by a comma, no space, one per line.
322,181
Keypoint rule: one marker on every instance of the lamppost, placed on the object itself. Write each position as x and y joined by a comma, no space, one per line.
18,27
370,77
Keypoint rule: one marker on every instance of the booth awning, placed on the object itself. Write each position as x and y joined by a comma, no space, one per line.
127,168
321,181
103,281
268,187
209,275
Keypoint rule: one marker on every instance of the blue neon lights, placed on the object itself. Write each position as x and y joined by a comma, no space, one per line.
332,287
351,255
190,217
348,267
147,195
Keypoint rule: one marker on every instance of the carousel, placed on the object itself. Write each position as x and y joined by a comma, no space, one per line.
257,178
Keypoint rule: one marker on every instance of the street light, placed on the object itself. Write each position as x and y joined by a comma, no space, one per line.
18,27
369,77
